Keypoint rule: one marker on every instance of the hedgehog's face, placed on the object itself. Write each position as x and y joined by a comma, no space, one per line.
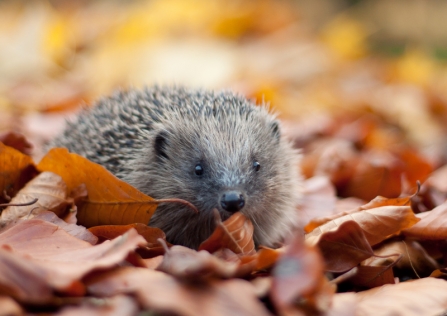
229,166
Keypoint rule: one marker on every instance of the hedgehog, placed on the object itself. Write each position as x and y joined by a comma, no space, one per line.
216,150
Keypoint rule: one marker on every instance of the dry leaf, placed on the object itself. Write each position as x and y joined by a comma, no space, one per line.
110,201
77,231
319,198
162,293
55,258
375,272
188,264
414,258
107,306
236,234
267,257
426,296
298,274
344,247
151,234
50,191
9,307
16,170
432,224
17,141
377,223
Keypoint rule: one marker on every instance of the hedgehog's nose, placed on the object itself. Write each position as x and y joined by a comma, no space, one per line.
232,201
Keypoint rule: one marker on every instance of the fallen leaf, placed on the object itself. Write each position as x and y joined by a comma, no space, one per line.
16,169
77,231
50,191
188,264
110,201
379,201
426,296
375,272
432,224
319,198
378,172
343,304
24,280
62,259
162,293
267,257
17,141
298,274
9,307
107,306
151,234
414,257
236,234
377,223
344,247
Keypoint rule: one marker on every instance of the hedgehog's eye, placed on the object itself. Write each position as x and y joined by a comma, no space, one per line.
256,165
198,170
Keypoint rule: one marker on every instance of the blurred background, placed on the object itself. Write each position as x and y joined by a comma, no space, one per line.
366,76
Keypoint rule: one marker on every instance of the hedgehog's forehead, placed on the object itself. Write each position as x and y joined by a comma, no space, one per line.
233,136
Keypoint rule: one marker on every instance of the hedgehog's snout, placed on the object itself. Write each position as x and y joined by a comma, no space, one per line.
232,201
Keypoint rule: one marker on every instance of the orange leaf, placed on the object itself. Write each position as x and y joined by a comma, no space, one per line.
267,257
236,234
151,234
432,224
110,201
16,169
377,223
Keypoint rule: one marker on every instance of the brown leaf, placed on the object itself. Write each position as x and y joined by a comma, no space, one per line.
151,234
10,307
188,264
375,272
377,223
17,141
432,224
343,304
109,306
299,274
426,296
344,247
16,170
60,258
318,200
376,173
376,202
236,234
379,201
110,201
77,231
164,294
414,256
48,188
22,279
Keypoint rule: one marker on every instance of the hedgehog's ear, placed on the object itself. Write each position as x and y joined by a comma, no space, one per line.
160,145
276,132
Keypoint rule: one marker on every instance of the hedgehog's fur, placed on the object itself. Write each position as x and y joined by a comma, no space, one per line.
154,138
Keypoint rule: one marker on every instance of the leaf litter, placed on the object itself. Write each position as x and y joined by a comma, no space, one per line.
374,129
